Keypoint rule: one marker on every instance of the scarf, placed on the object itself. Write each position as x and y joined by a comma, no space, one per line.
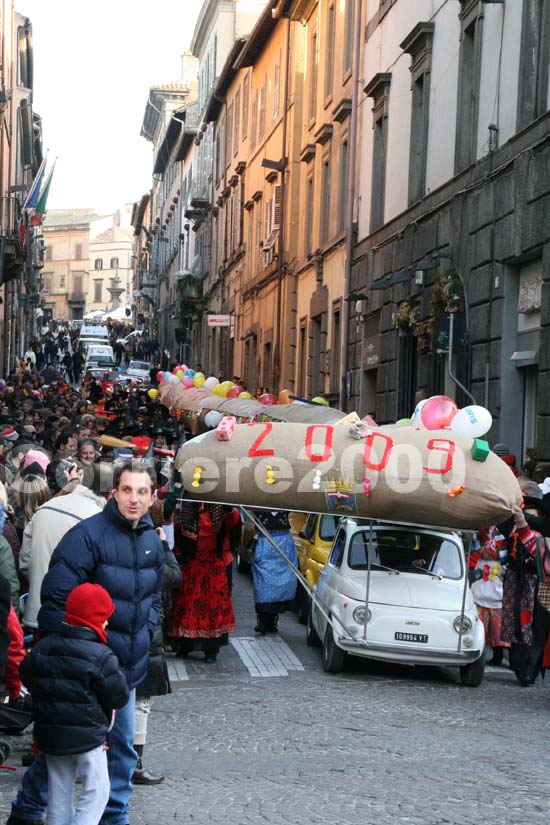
188,518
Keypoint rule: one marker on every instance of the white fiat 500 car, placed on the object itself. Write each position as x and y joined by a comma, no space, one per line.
413,615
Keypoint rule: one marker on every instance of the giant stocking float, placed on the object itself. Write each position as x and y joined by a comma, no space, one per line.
398,474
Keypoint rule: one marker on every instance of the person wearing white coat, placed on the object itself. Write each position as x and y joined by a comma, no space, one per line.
42,535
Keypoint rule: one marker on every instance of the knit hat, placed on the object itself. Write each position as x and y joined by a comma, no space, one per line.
501,449
37,457
89,605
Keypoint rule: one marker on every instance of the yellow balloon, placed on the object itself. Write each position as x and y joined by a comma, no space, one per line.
152,393
180,374
245,395
198,379
218,390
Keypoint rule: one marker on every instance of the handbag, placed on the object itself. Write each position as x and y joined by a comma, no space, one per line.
543,589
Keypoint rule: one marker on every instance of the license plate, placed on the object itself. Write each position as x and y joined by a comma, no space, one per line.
411,637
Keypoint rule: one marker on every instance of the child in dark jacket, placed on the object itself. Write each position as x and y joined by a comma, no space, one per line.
76,683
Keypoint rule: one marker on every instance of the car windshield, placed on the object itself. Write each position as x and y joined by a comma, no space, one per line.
328,527
139,365
407,552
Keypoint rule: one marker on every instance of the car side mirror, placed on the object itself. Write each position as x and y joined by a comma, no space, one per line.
302,534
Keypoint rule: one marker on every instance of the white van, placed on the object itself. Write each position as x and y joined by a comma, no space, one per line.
101,354
96,331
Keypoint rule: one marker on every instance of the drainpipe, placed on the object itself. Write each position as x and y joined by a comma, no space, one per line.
350,207
277,14
452,376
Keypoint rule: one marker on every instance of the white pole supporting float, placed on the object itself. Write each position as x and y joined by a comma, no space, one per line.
370,549
322,606
468,554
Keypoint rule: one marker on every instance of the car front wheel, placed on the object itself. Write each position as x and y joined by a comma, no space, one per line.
333,656
472,675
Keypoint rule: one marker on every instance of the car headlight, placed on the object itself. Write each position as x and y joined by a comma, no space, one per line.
359,615
462,623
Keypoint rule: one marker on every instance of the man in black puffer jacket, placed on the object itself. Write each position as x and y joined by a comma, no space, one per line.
76,684
118,549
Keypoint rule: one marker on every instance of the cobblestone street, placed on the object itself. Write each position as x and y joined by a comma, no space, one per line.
373,745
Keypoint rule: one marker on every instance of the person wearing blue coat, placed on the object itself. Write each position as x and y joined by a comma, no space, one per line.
120,550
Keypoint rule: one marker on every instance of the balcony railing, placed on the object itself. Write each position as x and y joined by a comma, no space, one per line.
76,298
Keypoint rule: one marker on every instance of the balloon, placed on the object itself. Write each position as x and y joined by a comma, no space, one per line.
218,390
167,376
190,373
184,367
180,374
224,388
319,400
234,392
474,421
160,376
438,412
212,418
416,421
175,370
173,379
403,422
152,393
211,382
199,379
245,395
284,397
187,381
267,398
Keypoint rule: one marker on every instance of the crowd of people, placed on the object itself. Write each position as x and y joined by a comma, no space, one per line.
104,566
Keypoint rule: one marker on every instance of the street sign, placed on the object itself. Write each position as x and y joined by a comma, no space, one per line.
218,320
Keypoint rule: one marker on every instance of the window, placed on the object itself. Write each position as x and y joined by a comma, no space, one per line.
261,111
266,373
325,200
406,552
302,367
229,133
310,205
315,358
535,61
62,282
328,526
419,45
237,122
349,28
246,95
312,72
78,252
77,284
337,552
329,53
276,85
336,346
379,90
342,194
468,87
254,117
98,263
49,252
48,278
258,244
114,263
98,286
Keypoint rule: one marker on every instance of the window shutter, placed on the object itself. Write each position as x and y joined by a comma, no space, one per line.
277,207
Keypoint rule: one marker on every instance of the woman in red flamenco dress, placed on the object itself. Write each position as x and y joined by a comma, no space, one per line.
202,611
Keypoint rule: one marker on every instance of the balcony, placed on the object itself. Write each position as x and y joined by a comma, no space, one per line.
10,246
76,298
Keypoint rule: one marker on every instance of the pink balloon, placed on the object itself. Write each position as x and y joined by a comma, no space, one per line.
234,392
438,412
267,398
186,381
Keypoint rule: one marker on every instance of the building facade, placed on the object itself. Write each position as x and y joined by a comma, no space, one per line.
452,267
20,161
110,268
67,263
